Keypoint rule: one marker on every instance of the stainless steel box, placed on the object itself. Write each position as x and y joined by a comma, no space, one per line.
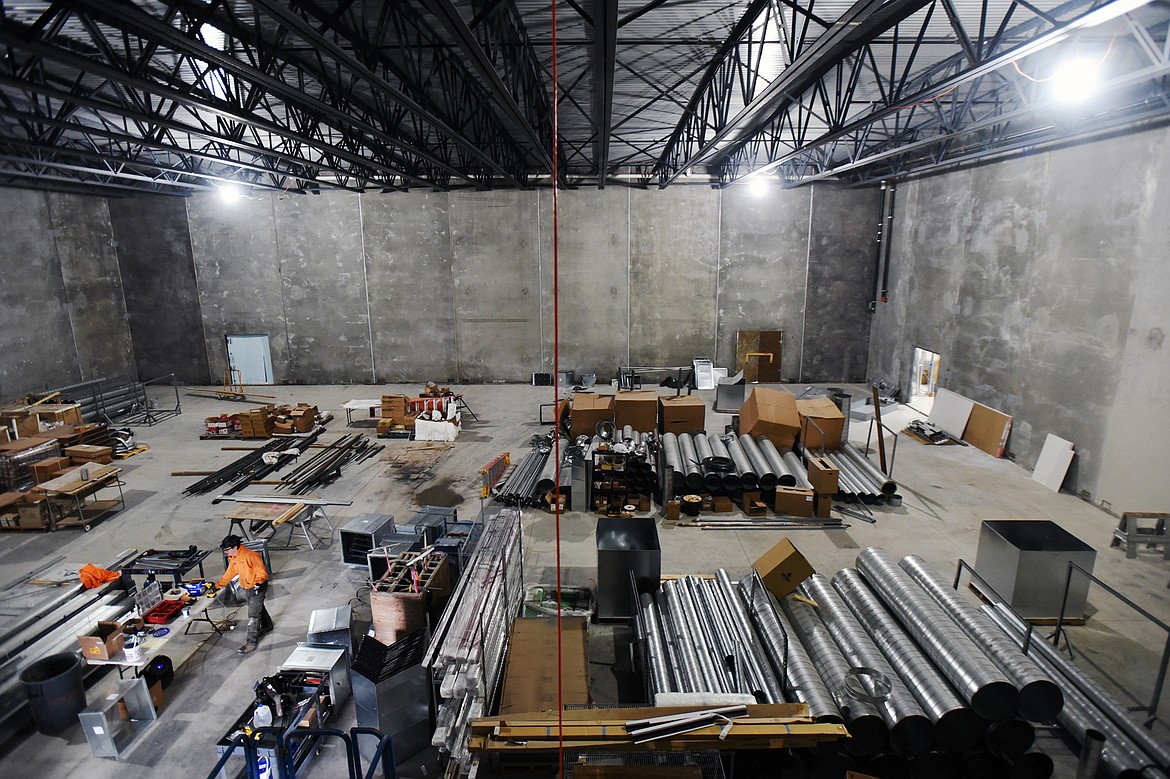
323,658
625,546
1026,562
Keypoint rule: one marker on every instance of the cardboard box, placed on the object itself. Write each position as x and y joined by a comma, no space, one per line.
156,696
102,643
86,453
638,409
683,414
673,508
284,426
771,413
782,568
825,414
304,418
822,475
823,506
531,678
587,410
394,406
33,513
43,470
721,504
794,502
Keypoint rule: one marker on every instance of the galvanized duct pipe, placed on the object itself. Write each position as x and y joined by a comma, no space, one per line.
1080,714
628,433
784,476
693,473
975,677
803,681
1040,697
712,480
747,474
909,726
764,472
711,656
547,479
862,484
718,632
1049,659
956,728
670,651
866,726
694,676
660,677
729,479
847,479
887,485
796,468
1009,738
756,658
670,453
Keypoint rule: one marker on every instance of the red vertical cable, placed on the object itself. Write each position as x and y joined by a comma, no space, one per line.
556,398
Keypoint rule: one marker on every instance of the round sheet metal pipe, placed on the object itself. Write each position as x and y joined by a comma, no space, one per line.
722,645
975,677
764,473
670,453
784,477
847,478
887,485
707,649
1040,697
909,726
756,658
956,728
864,484
796,468
690,675
803,682
866,726
1090,758
730,479
1080,715
747,474
712,480
1059,666
692,472
660,679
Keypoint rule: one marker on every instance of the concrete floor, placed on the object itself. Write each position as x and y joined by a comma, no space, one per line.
948,491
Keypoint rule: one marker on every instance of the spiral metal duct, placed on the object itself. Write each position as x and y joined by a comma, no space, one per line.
976,678
1121,756
887,485
754,654
691,677
784,476
692,472
1009,738
796,468
712,480
908,723
765,475
670,453
1054,663
547,479
956,727
747,473
729,479
660,676
855,481
866,726
787,653
1040,697
711,648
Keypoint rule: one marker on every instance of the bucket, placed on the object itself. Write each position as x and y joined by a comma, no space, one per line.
56,691
132,648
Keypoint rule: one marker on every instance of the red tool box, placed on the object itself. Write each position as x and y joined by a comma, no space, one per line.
163,612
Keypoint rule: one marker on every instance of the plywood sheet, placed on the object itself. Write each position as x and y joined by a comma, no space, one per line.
1053,462
951,412
988,429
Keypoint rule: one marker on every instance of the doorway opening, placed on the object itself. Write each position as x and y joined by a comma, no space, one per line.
924,380
249,359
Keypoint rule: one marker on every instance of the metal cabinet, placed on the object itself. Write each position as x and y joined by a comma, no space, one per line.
117,719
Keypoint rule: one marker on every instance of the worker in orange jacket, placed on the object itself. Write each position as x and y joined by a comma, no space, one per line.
249,582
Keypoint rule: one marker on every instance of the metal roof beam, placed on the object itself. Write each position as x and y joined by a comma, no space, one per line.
605,27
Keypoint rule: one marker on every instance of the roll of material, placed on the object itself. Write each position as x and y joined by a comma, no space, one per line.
1040,696
690,505
977,679
729,480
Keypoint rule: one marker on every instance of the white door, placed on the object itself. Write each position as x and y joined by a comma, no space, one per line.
249,355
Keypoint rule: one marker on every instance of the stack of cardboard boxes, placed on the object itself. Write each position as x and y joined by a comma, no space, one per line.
258,423
266,421
396,414
87,453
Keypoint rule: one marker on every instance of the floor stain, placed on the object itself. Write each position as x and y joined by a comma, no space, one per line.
441,493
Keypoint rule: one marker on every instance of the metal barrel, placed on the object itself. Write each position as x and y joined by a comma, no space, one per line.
910,728
764,472
975,677
1040,697
692,471
729,479
712,480
747,474
784,477
866,727
796,468
956,728
887,485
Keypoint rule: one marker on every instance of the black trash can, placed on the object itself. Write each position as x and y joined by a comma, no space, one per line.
56,692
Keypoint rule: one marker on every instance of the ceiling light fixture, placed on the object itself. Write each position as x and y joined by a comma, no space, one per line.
758,186
230,193
1075,80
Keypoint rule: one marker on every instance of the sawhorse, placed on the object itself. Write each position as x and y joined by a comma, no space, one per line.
1131,534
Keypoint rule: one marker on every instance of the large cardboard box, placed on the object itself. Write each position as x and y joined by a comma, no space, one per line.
825,414
822,475
102,643
682,414
782,568
87,453
794,502
588,409
823,506
394,406
772,413
531,678
638,409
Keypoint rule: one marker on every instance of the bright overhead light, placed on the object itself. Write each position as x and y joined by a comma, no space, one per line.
1075,80
758,186
230,193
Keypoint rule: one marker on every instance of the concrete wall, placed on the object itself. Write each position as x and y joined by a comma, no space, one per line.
62,312
1041,282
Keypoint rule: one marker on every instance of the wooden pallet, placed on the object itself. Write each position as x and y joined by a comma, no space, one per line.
136,450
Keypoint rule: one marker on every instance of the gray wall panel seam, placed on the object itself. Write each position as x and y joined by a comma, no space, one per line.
454,304
122,289
280,281
812,191
198,292
718,268
629,271
366,287
64,286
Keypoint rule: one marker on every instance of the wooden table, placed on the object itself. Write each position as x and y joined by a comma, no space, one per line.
70,486
269,516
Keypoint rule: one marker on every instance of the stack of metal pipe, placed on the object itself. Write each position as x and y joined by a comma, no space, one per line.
859,477
519,487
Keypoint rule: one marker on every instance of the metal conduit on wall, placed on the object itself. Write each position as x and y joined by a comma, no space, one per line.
976,678
910,728
784,476
956,727
867,729
1040,697
1121,756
